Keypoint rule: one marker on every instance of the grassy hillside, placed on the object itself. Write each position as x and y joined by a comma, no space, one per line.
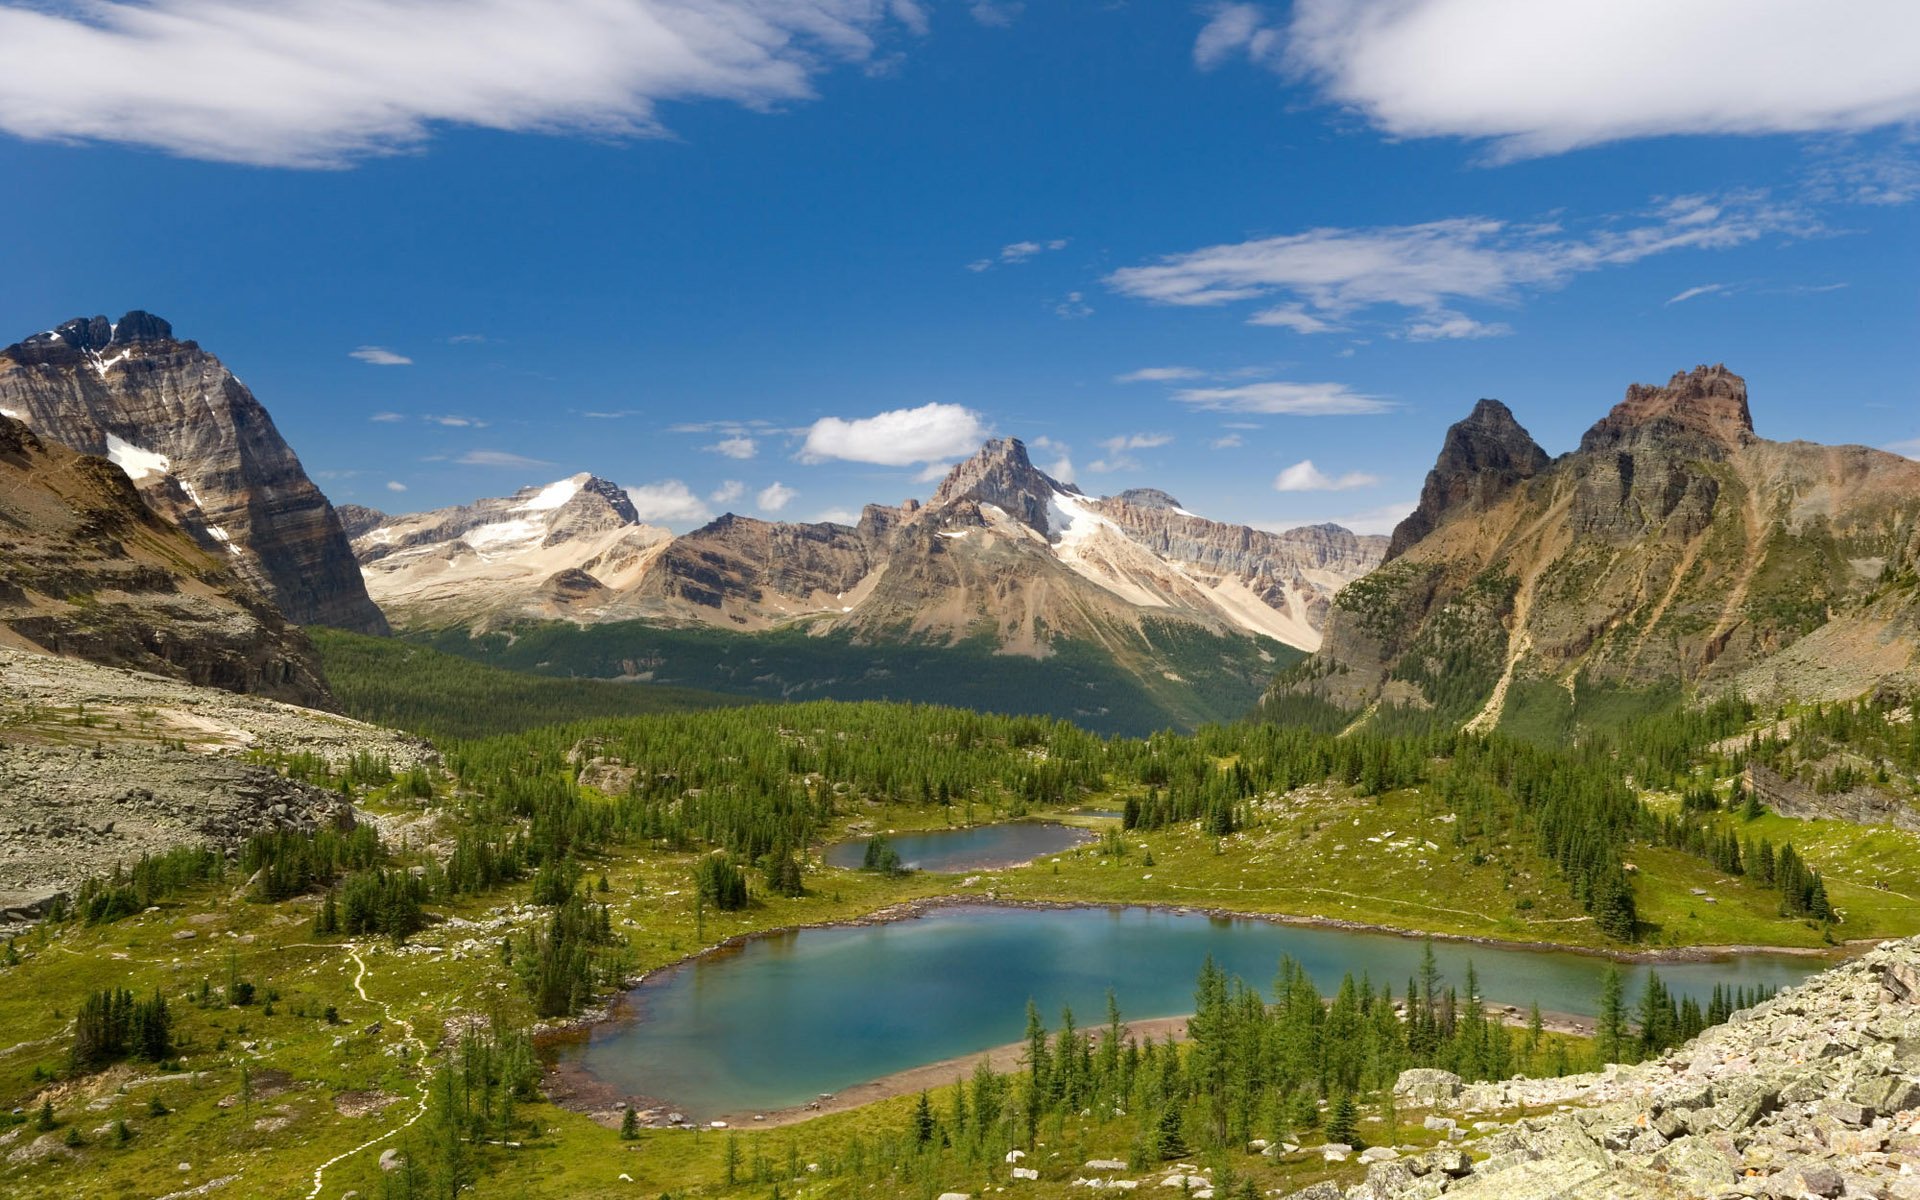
1170,677
441,695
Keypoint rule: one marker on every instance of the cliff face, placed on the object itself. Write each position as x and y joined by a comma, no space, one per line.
1674,547
88,571
202,451
1002,550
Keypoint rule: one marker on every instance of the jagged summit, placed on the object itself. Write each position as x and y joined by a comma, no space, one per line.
1482,458
1710,402
1001,474
202,450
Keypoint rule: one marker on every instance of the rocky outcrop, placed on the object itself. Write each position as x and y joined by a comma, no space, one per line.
87,570
99,765
1863,805
200,448
1000,474
1675,548
1813,1093
1481,460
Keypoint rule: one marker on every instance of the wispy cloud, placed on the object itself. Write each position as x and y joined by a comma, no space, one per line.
1379,519
1705,289
1228,441
739,446
774,497
1592,71
466,339
1073,308
1303,476
1326,278
996,14
394,485
1160,375
499,458
728,491
1284,399
898,438
1909,448
378,356
387,418
1017,252
378,76
454,421
1118,458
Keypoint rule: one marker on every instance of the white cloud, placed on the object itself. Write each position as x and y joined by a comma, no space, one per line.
1705,289
996,14
1073,308
898,438
837,516
1324,277
774,497
454,421
1446,325
1283,399
1061,468
318,83
499,458
1117,458
668,502
1227,442
728,491
467,339
933,472
1381,519
1234,29
378,356
394,485
387,418
1017,252
1160,375
1542,78
1909,448
1303,476
738,446
1888,176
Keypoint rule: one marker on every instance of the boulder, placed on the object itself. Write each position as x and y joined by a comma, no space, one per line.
1426,1086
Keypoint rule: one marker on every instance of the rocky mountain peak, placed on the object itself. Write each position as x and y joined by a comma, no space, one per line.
1482,458
1001,474
1709,402
1148,498
98,333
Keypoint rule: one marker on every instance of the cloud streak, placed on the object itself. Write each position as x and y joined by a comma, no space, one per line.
1321,280
321,83
380,356
1284,399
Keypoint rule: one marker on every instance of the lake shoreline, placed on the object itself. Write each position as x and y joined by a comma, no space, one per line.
572,1086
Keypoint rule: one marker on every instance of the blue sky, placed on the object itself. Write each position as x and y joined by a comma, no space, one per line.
789,257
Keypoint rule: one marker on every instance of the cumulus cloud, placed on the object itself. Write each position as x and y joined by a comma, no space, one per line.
774,497
668,502
1323,278
728,491
1536,79
499,458
738,446
394,485
1284,399
319,83
1303,476
378,356
898,438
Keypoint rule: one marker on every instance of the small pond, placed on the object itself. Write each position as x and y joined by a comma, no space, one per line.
976,848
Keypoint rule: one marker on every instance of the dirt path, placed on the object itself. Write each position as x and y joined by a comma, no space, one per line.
386,1012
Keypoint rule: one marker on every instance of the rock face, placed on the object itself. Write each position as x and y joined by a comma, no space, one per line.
1002,551
87,570
1482,459
1674,547
153,763
1813,1093
200,448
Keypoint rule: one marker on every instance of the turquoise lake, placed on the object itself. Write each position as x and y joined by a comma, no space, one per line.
782,1018
978,848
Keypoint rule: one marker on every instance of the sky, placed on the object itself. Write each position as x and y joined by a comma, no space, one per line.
788,257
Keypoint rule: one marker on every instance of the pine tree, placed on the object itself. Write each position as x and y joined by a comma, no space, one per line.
1343,1120
629,1125
923,1124
1610,1028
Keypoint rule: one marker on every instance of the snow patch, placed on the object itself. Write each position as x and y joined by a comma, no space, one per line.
220,535
955,536
553,495
137,463
191,494
7,412
502,533
103,365
1072,521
